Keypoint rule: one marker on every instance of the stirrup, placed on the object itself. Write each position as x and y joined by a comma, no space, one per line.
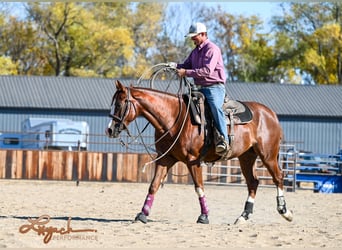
222,147
225,155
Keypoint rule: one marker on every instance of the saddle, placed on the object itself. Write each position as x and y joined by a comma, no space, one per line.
236,113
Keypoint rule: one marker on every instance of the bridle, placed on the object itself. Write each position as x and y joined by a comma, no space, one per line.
119,120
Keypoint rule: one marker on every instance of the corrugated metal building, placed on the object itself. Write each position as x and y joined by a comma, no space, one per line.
311,116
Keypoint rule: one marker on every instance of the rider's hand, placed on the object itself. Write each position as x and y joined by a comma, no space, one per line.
172,65
181,72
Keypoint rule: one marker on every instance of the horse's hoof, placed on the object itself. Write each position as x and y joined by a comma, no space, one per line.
203,219
240,220
288,216
141,217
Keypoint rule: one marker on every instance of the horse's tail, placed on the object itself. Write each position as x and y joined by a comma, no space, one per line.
281,140
282,136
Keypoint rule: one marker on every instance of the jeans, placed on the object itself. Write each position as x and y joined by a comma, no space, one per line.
215,97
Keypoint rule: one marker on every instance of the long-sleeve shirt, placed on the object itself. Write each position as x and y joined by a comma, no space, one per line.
205,64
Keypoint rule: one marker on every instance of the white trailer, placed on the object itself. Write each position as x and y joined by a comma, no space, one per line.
50,133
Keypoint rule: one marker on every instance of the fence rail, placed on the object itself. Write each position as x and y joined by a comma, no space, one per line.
104,166
302,171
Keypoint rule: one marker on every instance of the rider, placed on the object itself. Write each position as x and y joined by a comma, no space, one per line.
205,66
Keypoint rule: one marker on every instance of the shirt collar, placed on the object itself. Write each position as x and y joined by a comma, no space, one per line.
203,44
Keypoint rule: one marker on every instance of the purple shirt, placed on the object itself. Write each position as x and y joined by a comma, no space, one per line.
205,64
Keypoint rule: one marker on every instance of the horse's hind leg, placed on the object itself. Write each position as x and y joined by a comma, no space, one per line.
247,161
270,161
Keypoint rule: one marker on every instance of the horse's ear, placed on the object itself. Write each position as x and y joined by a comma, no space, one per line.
119,85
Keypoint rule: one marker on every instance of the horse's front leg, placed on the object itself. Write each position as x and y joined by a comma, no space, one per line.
159,175
196,174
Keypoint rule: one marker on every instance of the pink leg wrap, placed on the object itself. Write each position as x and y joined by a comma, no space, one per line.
204,206
148,204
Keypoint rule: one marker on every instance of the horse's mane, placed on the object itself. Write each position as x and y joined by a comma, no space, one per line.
155,91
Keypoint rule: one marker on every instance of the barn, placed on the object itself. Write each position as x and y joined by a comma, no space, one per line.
311,116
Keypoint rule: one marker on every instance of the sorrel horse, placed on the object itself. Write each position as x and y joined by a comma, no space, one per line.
178,139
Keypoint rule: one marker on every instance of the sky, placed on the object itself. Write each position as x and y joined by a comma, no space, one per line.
265,10
248,8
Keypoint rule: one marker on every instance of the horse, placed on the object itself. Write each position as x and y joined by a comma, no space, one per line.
178,139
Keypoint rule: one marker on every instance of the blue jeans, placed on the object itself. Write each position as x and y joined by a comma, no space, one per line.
215,97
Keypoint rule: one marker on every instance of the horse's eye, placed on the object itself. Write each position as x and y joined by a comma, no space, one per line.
118,107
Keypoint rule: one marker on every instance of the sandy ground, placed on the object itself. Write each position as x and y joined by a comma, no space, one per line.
100,215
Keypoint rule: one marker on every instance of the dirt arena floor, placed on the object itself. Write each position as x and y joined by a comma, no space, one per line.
60,214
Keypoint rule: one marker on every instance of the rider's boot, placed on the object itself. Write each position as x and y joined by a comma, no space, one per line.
222,146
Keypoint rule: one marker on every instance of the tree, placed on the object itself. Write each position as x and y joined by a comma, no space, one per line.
146,25
314,40
97,39
110,37
7,67
59,24
171,43
122,39
18,41
246,52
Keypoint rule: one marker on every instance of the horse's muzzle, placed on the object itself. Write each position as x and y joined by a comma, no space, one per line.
113,130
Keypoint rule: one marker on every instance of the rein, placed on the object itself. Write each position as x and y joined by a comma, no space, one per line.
127,108
151,74
121,125
178,135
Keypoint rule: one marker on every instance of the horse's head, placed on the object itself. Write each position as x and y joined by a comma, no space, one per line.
119,112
